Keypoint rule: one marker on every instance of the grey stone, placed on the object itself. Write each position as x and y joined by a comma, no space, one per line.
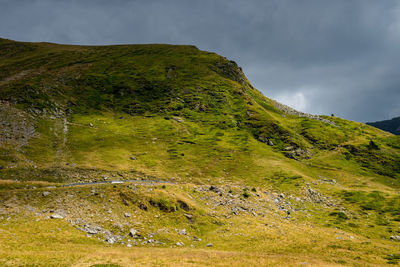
189,216
210,245
182,232
111,239
127,214
214,189
46,193
56,216
196,239
395,237
133,232
180,244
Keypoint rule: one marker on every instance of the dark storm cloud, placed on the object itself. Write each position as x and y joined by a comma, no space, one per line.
319,56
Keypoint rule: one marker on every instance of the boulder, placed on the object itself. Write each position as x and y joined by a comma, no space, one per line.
133,232
395,237
56,216
188,216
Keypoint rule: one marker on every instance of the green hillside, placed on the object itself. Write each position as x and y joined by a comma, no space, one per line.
74,114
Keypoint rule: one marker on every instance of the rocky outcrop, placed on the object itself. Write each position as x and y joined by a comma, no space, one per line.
291,111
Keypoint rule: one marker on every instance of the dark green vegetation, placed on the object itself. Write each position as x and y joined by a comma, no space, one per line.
392,126
165,112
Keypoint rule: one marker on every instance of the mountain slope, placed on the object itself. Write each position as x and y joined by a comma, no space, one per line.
392,126
174,113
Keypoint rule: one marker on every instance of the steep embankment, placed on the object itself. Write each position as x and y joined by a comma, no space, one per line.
164,112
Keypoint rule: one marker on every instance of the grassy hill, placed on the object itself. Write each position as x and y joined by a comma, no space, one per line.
245,173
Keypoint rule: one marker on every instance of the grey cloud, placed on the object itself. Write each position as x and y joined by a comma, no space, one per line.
321,56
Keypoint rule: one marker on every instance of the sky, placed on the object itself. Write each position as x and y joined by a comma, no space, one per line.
326,57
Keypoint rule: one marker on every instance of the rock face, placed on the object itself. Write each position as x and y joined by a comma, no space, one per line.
231,70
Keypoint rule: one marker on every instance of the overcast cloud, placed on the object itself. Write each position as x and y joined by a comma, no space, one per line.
319,56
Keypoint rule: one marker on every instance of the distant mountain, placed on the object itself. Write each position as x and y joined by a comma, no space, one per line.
392,126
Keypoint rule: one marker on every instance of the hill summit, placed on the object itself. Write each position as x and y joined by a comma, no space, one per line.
104,139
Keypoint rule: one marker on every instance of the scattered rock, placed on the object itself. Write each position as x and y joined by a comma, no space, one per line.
132,158
45,194
265,141
210,245
180,244
127,214
328,181
214,189
92,229
182,232
143,206
196,239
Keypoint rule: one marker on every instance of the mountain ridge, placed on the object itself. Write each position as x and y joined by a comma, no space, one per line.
392,125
